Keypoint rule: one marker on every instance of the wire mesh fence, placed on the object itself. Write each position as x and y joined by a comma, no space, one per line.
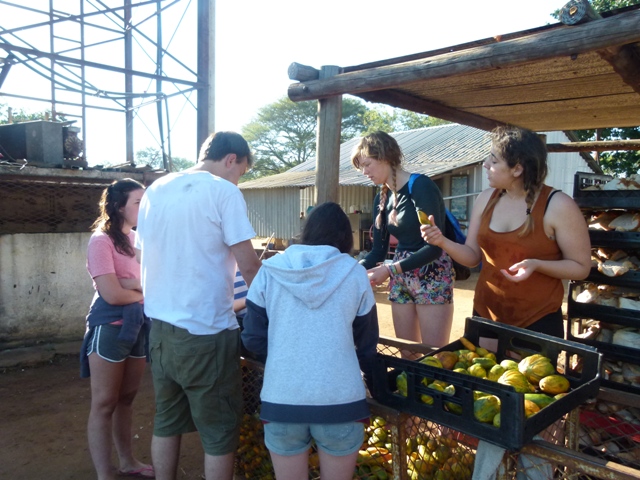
406,447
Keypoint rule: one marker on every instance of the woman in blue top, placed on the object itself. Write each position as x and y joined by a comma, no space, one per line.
421,275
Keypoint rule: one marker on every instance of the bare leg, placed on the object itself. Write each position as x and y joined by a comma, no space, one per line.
337,468
435,323
123,414
405,324
106,378
218,467
295,467
165,452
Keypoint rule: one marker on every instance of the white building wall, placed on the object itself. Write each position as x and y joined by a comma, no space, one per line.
45,289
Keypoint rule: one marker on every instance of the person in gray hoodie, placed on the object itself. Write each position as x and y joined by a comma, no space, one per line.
312,312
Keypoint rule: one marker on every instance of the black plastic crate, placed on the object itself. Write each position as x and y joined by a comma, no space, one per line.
626,354
613,239
515,430
602,198
631,279
618,316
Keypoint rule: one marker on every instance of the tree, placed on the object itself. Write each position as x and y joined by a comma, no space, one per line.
153,157
22,115
619,162
283,134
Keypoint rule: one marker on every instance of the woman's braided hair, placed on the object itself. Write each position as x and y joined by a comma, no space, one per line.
382,147
519,146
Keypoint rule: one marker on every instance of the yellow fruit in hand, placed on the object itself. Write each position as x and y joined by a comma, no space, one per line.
423,218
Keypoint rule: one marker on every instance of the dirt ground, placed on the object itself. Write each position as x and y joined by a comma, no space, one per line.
44,409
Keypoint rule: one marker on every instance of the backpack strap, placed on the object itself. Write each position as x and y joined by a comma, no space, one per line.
412,178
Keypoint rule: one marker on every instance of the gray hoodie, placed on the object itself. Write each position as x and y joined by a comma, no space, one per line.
314,311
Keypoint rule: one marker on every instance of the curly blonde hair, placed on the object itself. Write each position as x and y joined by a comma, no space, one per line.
382,147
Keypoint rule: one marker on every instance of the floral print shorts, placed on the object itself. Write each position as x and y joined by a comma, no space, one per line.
431,284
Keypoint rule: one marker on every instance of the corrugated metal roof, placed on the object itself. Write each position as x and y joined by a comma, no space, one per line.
431,151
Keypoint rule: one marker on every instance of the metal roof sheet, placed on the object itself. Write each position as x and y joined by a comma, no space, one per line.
432,151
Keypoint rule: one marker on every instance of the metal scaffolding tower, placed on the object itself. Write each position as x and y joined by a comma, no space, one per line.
147,61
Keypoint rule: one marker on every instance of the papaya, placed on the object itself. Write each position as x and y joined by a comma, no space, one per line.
482,351
431,361
517,380
485,408
467,344
460,364
496,420
536,369
478,394
477,371
492,356
540,399
495,372
401,384
461,370
453,407
447,359
524,363
554,384
423,218
509,364
530,408
485,363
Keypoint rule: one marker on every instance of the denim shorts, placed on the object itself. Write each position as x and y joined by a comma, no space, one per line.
337,439
104,341
198,385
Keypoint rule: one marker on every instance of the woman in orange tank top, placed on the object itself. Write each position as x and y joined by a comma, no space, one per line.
528,237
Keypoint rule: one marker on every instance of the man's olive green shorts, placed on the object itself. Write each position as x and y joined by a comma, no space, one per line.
198,385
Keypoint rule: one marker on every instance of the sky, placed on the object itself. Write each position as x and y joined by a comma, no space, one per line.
257,40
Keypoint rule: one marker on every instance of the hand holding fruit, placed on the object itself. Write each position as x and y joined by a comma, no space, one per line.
430,232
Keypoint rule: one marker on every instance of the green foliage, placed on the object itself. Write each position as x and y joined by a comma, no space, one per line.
153,157
620,162
21,115
604,5
283,134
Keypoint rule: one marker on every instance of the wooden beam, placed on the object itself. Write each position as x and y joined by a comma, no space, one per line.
426,107
619,29
625,61
302,73
328,144
600,146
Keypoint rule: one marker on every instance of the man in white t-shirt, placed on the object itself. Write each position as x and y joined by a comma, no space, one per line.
192,231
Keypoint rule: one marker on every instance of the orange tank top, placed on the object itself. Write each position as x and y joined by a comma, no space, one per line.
518,304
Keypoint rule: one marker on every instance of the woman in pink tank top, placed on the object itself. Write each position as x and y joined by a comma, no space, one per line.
527,236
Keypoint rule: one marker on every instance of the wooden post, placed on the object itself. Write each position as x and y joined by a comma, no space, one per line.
328,143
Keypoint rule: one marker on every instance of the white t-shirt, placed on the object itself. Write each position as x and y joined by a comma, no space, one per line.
186,224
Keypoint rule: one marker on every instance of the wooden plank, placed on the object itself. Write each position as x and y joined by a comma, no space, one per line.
415,104
328,144
576,114
618,30
595,146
